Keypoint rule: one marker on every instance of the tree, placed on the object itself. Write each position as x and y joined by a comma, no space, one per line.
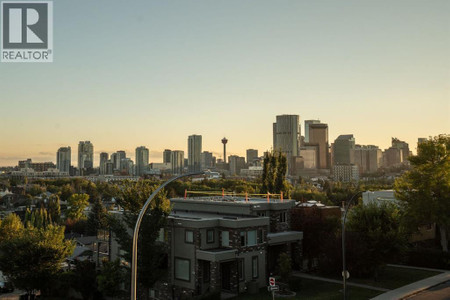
97,218
111,278
54,208
379,234
274,174
151,255
285,265
77,203
425,190
31,256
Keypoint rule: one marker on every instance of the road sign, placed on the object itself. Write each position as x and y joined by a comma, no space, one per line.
273,288
272,281
347,274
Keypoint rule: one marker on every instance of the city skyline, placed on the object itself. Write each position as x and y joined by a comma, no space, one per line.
226,69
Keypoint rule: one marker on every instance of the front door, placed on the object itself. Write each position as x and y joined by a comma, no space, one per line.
226,275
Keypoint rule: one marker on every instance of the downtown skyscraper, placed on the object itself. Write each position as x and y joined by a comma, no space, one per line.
286,136
63,159
142,155
85,155
194,151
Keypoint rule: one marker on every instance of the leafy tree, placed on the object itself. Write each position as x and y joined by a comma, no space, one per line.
425,190
151,255
111,278
83,278
54,208
31,256
66,191
274,174
77,203
35,190
379,233
97,218
285,265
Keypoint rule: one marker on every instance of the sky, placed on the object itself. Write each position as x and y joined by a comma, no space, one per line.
151,73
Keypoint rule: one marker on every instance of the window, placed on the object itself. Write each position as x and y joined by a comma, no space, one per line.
225,239
283,217
182,269
242,238
255,267
262,214
260,236
189,236
251,238
210,236
241,269
161,235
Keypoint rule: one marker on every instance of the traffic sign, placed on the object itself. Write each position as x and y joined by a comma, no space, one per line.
347,274
272,281
273,288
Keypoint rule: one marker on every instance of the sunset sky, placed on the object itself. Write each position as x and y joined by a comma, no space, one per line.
132,73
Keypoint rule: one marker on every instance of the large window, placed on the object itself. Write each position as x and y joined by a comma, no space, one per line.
189,236
161,235
210,236
260,236
242,238
182,269
225,239
283,217
255,271
251,238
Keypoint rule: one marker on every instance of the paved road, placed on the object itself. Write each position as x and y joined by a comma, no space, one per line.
304,275
439,292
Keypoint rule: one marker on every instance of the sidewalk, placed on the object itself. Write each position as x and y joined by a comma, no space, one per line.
304,275
415,287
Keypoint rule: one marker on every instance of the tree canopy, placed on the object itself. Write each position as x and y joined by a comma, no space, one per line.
425,189
274,173
77,203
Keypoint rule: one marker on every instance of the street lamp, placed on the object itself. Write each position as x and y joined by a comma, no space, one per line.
344,267
138,225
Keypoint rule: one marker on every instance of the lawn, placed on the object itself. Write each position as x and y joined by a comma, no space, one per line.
317,290
394,277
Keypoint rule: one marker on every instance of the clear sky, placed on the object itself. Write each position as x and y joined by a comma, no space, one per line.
132,73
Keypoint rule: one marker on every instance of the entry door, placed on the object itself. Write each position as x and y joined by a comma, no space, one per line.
226,275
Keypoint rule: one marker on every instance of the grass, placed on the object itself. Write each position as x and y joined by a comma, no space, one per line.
317,290
394,277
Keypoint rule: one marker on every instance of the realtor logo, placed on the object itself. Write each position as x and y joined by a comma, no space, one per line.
27,31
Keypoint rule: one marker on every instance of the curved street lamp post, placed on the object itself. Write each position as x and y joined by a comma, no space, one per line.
138,225
344,266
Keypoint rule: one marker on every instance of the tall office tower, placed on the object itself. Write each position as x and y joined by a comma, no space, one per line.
367,158
85,155
114,160
141,159
120,156
307,123
237,163
318,136
109,167
103,160
63,159
286,136
207,160
224,142
177,161
344,147
396,143
252,155
194,150
127,166
166,156
392,157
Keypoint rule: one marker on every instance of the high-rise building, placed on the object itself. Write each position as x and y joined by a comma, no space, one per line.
115,161
103,160
345,173
63,159
194,151
392,157
307,123
177,161
403,146
142,155
236,163
367,158
310,156
207,160
85,156
252,155
318,136
119,158
166,156
286,136
344,147
127,166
